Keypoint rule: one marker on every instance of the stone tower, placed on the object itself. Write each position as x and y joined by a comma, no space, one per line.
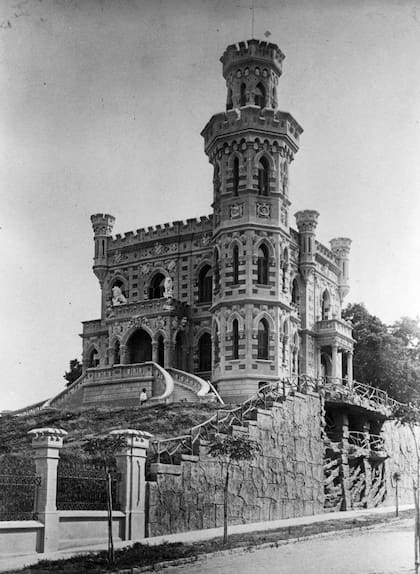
251,146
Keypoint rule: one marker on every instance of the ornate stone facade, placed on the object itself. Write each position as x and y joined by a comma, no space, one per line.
238,296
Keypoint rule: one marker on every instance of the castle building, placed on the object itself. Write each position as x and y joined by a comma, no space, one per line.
239,297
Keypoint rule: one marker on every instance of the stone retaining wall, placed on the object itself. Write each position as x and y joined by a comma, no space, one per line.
285,480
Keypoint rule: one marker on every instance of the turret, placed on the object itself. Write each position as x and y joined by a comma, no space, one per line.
252,70
340,246
306,222
102,228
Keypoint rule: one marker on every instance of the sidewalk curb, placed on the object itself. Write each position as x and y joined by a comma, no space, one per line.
247,548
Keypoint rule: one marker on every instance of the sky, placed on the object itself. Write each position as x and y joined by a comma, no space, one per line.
101,107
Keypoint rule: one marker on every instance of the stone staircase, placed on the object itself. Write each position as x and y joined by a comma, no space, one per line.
189,387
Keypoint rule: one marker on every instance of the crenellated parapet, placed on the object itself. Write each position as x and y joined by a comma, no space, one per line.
172,230
252,70
223,128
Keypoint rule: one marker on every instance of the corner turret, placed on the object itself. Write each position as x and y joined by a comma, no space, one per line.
340,246
306,222
102,228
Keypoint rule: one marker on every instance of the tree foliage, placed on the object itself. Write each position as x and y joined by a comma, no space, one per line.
74,372
385,356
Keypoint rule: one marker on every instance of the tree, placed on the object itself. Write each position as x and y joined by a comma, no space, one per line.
228,450
386,356
102,449
74,373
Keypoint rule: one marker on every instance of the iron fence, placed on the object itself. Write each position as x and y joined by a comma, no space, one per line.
19,486
83,486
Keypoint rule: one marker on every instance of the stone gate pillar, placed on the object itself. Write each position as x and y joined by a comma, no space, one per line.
47,443
131,462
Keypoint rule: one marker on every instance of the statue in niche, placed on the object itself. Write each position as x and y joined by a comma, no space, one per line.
117,296
168,288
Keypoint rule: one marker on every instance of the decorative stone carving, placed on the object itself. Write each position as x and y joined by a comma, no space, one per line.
170,265
117,257
157,248
206,238
144,269
283,216
117,296
168,290
263,209
284,176
236,210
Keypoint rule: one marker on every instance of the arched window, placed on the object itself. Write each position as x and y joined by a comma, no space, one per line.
284,343
117,353
229,104
160,351
243,95
325,305
204,353
285,265
235,176
216,341
260,98
139,347
235,265
263,176
262,340
216,270
205,285
262,274
93,359
295,292
235,339
157,286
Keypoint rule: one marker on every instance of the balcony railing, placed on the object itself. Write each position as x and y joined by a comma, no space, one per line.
328,326
366,441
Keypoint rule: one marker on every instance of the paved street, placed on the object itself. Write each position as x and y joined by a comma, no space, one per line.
387,549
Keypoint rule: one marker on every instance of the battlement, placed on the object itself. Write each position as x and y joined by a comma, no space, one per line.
102,223
326,253
307,220
252,50
250,118
164,231
340,246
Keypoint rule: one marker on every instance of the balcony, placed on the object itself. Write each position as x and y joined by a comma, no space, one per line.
93,327
333,332
162,306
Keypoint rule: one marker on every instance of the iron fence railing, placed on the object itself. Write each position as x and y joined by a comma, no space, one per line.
170,450
83,486
19,486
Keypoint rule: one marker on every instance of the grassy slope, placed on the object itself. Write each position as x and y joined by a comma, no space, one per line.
161,420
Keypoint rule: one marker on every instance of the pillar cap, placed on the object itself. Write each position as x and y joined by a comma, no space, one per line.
133,437
47,432
49,437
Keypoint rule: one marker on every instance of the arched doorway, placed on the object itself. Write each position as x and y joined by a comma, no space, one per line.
139,347
204,353
180,351
160,351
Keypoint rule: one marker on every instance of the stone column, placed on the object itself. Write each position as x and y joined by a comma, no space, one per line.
155,352
47,443
131,462
334,359
350,368
345,462
366,465
169,353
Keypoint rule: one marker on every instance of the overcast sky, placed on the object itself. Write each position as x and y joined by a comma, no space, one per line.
101,108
